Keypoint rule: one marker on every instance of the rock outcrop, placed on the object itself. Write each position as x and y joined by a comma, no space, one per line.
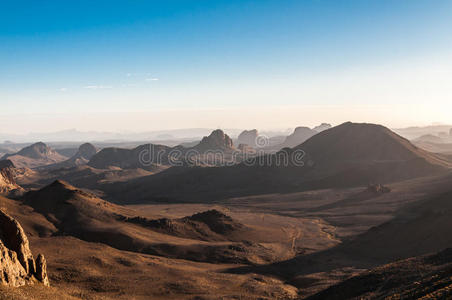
83,155
217,140
41,270
17,265
248,137
85,151
8,177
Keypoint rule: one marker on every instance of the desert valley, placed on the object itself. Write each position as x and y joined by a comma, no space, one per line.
363,213
226,150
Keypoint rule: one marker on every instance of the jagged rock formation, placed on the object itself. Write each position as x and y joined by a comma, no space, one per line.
248,137
17,265
217,140
85,152
7,177
322,127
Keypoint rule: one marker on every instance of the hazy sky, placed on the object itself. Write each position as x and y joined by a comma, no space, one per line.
146,65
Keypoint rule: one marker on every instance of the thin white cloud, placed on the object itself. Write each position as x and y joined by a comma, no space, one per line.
152,79
98,87
63,90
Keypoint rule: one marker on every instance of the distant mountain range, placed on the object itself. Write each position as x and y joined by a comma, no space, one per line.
344,156
73,135
416,132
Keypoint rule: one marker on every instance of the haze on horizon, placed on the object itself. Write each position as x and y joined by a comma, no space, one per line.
154,65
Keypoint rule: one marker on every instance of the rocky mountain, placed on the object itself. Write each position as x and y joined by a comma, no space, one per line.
37,151
147,157
18,267
153,157
83,155
345,156
217,140
363,143
85,152
36,155
248,137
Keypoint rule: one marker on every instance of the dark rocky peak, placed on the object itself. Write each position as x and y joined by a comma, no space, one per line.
217,140
86,151
37,150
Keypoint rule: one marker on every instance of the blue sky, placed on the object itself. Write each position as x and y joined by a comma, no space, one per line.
94,58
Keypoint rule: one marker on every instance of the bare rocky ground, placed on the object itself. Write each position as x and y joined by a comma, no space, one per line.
298,243
93,270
